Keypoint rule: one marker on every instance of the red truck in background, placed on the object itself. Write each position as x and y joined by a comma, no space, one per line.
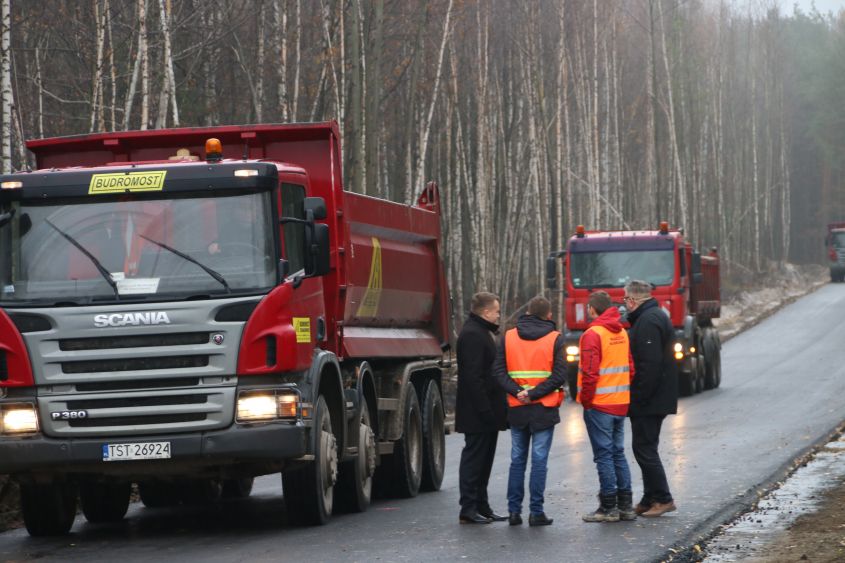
686,285
835,245
187,309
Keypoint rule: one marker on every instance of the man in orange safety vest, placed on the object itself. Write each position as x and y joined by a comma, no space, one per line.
529,366
605,373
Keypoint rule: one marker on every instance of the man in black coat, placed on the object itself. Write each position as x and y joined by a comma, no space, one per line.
654,393
480,408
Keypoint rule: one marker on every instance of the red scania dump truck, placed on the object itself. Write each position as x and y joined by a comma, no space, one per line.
686,285
187,309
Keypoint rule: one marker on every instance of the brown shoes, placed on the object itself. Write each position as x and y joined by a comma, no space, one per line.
640,508
657,509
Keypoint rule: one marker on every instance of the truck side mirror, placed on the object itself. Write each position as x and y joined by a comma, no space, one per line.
551,268
551,272
318,251
697,276
317,206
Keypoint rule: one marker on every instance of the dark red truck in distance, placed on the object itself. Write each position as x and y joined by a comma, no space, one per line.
835,245
686,285
187,309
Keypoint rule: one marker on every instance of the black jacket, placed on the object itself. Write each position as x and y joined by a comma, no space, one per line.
533,416
655,386
480,406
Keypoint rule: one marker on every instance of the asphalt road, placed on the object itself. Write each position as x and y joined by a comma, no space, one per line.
782,391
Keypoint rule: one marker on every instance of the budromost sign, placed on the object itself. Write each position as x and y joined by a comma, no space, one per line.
132,319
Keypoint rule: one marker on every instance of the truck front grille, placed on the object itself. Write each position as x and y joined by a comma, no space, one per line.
120,385
136,420
148,412
133,341
135,364
127,402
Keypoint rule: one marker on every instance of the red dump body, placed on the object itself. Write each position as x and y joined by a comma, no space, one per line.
386,294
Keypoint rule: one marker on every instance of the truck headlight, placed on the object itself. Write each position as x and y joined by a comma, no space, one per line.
19,419
267,405
679,351
257,407
572,353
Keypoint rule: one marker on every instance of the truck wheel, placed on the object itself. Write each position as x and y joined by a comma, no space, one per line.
355,481
407,451
434,439
48,510
309,490
237,488
572,381
158,494
699,374
104,503
685,383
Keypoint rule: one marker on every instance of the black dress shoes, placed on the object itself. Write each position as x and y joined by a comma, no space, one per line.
515,519
492,516
473,519
539,520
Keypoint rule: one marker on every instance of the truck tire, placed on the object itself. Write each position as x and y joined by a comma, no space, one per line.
238,488
104,503
572,382
309,490
48,510
434,438
406,473
354,489
685,382
713,376
158,494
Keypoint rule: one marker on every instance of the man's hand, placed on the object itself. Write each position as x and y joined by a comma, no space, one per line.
523,397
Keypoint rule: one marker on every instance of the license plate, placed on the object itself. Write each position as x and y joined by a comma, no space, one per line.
132,452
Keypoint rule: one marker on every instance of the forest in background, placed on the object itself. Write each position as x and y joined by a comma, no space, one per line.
533,116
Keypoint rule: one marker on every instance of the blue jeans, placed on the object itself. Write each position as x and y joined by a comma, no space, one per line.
541,442
607,436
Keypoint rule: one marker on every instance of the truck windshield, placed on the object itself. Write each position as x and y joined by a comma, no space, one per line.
77,252
839,240
614,269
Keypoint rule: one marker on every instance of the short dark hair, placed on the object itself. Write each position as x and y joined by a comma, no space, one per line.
600,301
481,301
539,307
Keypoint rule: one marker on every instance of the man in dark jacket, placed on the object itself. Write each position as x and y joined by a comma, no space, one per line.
654,393
480,408
530,367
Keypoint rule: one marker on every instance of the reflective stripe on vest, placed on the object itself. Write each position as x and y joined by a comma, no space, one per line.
614,384
529,363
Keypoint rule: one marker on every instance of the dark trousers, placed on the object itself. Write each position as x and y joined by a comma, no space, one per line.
474,473
645,438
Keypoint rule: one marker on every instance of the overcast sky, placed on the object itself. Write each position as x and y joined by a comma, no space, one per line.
824,6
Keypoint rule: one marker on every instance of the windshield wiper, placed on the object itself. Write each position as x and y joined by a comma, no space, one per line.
214,274
100,268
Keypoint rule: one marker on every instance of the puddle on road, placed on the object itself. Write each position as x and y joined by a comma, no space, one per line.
775,512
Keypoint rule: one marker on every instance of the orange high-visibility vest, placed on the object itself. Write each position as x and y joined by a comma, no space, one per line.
614,384
530,363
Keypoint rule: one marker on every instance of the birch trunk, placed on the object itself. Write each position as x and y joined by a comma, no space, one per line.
6,86
426,123
143,54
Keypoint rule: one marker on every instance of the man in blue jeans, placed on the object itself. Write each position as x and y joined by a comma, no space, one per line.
605,372
529,366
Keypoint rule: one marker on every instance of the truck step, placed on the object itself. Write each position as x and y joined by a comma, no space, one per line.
385,448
